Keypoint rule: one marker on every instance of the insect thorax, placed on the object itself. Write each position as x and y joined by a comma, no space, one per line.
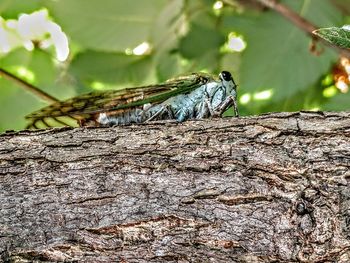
181,107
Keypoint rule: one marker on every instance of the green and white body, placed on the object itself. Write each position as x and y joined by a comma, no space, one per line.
196,96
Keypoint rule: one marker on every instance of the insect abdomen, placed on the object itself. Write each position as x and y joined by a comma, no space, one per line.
126,117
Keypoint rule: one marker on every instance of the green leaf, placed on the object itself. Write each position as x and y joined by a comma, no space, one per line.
200,40
339,36
111,69
277,57
37,68
12,8
340,102
167,30
15,104
168,67
106,25
14,100
203,41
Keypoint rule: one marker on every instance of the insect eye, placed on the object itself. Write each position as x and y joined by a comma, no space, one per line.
226,75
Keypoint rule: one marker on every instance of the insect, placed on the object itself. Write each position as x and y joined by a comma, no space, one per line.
195,96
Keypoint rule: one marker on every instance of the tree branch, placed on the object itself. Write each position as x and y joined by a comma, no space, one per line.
302,23
289,14
299,21
27,86
255,189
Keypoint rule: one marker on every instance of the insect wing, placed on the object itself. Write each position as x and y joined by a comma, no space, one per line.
83,107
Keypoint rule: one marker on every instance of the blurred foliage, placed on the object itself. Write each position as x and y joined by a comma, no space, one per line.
121,43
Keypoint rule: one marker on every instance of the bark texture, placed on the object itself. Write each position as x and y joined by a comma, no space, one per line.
273,188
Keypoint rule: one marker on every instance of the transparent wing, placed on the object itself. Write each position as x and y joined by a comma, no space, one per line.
82,108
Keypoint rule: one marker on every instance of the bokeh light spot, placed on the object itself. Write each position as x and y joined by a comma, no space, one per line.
263,95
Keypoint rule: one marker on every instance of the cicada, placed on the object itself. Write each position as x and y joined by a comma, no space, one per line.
194,96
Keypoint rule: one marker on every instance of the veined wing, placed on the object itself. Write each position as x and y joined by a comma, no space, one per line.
83,107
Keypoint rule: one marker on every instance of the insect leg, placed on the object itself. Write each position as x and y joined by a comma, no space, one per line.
217,111
203,111
229,101
207,108
235,108
160,112
217,103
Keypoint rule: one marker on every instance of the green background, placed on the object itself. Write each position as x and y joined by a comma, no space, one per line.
185,36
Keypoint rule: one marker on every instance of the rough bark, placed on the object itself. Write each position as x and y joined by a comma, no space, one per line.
254,189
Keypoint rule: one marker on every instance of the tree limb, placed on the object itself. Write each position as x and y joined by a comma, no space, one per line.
254,189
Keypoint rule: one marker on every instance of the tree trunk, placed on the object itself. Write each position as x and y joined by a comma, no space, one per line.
254,189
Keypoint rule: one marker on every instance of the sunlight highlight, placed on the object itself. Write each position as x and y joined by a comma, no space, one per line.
184,62
142,49
25,73
329,92
218,5
314,109
97,85
128,51
346,64
328,80
235,43
245,98
342,86
263,95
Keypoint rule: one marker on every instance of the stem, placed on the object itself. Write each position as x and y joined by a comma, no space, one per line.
299,21
27,86
291,15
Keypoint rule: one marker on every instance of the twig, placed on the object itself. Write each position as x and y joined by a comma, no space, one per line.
291,15
299,21
27,86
